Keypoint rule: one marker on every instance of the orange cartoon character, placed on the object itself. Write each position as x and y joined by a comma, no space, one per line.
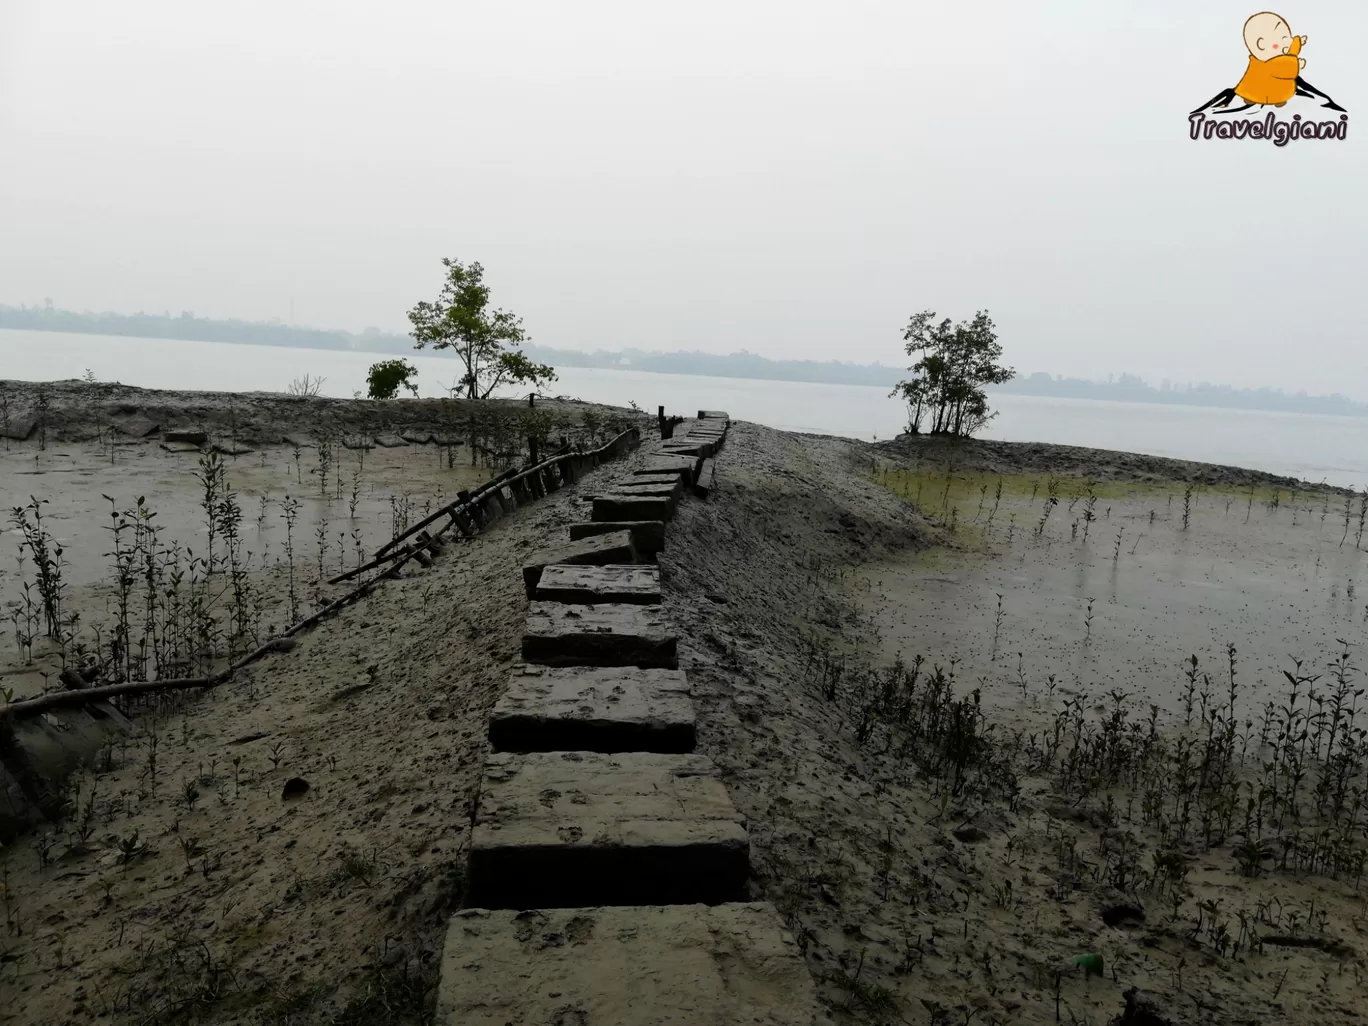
1273,75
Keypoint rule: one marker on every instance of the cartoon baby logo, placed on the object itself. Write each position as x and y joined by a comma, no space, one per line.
1272,78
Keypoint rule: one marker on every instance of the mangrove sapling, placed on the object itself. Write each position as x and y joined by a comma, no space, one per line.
1348,512
355,493
321,534
126,560
212,476
1087,623
1051,501
324,445
46,556
983,498
41,405
299,473
997,499
1362,516
1116,551
997,628
1187,505
290,510
1089,510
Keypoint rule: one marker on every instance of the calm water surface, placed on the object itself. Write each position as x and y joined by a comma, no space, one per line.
1310,446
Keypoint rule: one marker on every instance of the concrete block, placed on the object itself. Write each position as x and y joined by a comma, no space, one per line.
613,547
594,709
671,965
573,829
625,506
686,465
672,490
639,585
706,477
696,448
615,634
648,536
713,415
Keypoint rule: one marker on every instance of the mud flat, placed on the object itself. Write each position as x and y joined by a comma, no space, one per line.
926,875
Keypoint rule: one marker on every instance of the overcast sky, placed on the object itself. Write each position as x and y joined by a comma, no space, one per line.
787,177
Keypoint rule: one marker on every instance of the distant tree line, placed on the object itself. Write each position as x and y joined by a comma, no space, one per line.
1126,388
1132,389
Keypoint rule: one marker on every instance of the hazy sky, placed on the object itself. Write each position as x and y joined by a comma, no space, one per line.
791,178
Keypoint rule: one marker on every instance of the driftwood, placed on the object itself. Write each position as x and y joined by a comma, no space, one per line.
397,559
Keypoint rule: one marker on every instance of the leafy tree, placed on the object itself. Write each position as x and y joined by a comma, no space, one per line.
388,376
956,361
486,341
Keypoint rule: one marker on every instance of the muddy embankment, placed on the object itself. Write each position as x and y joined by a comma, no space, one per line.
930,875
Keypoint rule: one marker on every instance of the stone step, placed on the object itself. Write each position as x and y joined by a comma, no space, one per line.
611,547
626,506
648,536
706,479
686,465
673,491
596,584
573,829
594,709
615,634
671,965
699,448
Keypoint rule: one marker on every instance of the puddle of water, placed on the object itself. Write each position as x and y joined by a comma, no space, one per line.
78,516
1275,589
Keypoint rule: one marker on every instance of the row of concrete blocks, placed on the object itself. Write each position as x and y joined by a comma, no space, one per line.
608,866
518,487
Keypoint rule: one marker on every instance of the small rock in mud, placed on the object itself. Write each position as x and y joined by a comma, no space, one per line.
971,834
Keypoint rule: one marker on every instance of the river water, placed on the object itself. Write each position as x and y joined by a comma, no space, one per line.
1311,446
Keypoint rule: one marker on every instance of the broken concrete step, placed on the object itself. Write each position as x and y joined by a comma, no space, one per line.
573,829
390,441
416,437
673,490
595,584
186,436
714,415
706,479
626,506
670,965
698,449
686,465
613,547
594,709
611,634
136,426
648,536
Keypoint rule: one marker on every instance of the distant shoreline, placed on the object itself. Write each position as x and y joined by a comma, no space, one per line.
741,366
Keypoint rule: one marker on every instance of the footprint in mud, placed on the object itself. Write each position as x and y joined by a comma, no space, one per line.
570,834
